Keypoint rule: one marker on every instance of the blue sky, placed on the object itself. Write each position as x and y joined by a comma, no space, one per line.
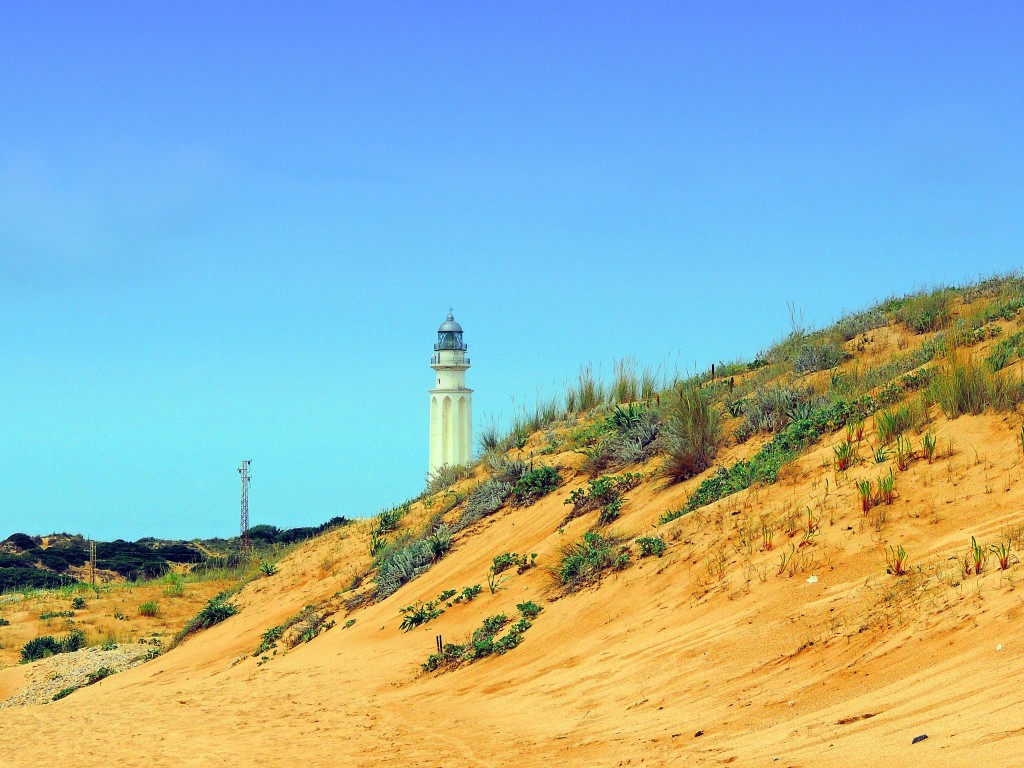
230,230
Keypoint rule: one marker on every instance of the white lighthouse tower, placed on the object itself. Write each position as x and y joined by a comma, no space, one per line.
451,404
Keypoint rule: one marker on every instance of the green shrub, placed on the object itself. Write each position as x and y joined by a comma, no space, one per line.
4,622
214,612
764,466
962,385
39,648
651,546
529,609
47,645
771,408
484,641
446,476
691,434
388,520
611,511
149,609
99,674
469,593
534,484
860,323
269,639
486,499
926,312
78,603
402,565
55,615
507,560
417,614
602,492
174,585
629,436
308,624
585,561
890,424
451,655
818,355
20,578
303,626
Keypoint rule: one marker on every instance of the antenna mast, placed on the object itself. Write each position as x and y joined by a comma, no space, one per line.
244,472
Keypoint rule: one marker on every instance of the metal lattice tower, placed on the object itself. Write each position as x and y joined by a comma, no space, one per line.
244,472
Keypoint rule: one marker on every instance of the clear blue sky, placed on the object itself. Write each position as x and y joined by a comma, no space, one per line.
230,230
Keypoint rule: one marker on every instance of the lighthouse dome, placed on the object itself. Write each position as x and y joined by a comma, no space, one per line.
449,335
449,325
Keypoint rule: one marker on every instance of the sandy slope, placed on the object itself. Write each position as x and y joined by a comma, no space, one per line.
710,638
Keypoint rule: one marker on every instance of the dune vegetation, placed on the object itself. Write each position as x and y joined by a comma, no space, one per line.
812,555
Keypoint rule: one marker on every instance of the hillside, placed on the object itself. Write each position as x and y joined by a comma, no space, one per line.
63,559
795,617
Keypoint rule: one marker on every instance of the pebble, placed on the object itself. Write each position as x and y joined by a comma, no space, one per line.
47,677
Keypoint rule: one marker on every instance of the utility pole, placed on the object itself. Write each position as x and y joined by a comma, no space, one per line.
92,560
244,472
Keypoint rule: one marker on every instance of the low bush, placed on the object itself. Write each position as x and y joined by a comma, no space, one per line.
21,541
818,355
417,614
585,561
892,423
771,408
963,385
16,578
485,641
691,434
388,520
440,541
149,609
651,546
55,615
763,466
297,629
446,476
218,609
402,565
484,500
469,593
604,493
47,645
926,312
535,484
529,609
508,560
633,432
860,323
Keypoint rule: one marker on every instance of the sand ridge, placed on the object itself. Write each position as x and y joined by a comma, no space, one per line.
717,653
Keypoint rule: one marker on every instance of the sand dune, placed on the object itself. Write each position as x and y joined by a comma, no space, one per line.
710,655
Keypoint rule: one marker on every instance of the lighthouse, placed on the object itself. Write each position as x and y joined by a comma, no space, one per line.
451,403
